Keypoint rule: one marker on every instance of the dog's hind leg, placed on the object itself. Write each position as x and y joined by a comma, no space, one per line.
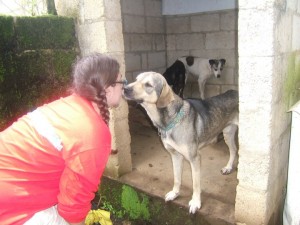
177,160
201,84
229,137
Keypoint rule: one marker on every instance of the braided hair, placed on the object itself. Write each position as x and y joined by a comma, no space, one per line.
91,75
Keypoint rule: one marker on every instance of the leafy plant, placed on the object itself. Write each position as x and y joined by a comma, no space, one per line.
131,203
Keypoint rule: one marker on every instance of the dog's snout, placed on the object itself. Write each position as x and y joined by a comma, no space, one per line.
218,75
127,90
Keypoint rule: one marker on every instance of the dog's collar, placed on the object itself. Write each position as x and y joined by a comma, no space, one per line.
177,119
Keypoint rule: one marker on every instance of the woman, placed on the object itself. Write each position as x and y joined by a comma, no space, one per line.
52,159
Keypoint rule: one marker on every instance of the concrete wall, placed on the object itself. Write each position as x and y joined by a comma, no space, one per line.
207,35
144,36
153,42
268,43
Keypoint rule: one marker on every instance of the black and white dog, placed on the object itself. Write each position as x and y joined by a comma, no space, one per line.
176,75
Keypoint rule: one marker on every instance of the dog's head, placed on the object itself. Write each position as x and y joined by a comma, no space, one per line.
217,66
149,88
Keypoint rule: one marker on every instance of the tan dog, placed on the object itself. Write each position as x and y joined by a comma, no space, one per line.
186,125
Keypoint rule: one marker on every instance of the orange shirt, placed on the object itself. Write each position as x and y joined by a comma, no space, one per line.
55,155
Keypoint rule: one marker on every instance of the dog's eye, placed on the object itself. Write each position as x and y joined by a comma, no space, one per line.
148,85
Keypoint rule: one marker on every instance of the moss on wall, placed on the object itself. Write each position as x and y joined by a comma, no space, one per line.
36,54
292,83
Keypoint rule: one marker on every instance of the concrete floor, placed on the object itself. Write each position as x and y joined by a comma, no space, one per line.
152,170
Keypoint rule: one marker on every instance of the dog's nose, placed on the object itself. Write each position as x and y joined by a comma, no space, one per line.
218,76
127,90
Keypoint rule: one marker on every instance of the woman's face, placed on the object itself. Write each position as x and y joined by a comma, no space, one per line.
114,92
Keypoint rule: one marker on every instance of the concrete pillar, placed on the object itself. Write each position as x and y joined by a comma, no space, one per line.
99,29
263,121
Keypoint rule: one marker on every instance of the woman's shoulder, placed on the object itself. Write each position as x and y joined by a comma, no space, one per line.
72,112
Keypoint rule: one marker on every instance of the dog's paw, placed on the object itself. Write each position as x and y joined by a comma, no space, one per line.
194,206
171,196
226,170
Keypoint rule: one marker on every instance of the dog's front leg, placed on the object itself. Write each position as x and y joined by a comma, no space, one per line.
195,202
177,160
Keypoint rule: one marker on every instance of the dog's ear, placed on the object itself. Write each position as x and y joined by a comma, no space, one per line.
189,60
212,62
166,96
223,61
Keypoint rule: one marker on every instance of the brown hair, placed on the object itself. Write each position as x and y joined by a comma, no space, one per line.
91,75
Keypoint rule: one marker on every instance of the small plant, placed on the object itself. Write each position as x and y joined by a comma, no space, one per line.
117,213
105,205
131,203
126,203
